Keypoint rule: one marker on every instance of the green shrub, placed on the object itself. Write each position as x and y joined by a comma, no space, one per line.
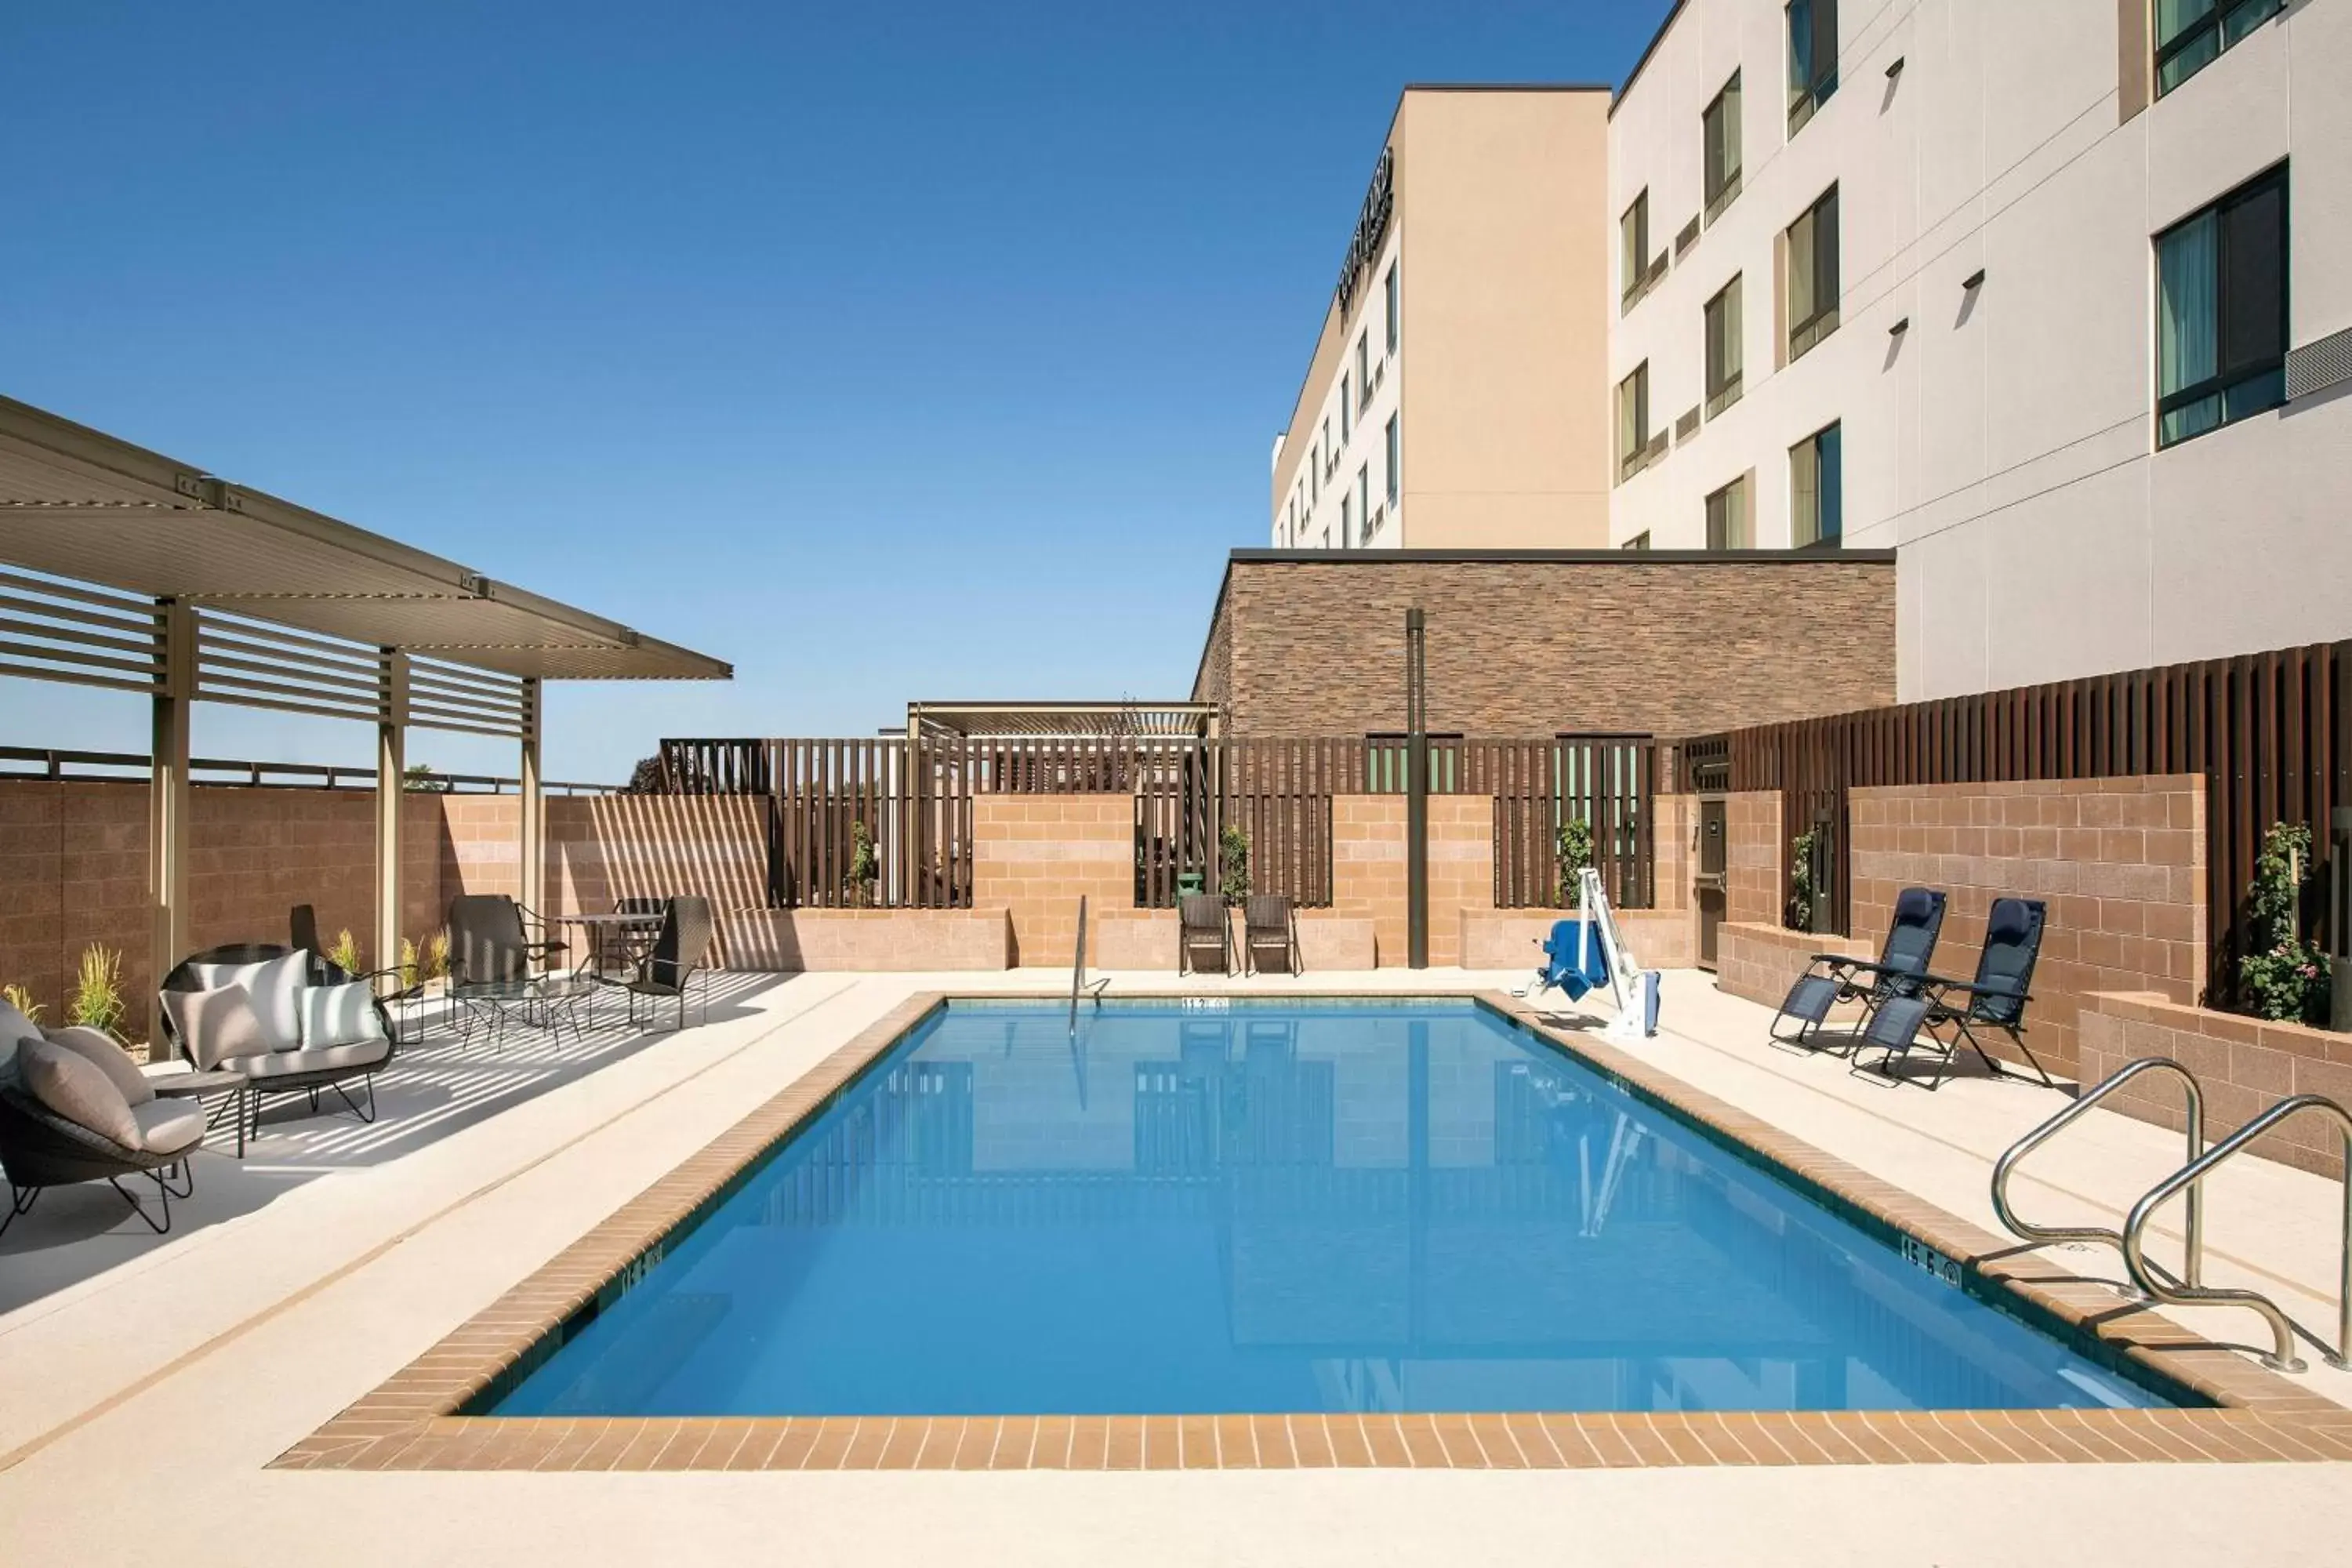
345,954
1572,848
2281,978
97,1002
1233,865
865,865
1801,892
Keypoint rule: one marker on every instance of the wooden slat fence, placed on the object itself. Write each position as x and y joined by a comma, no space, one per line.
916,800
2268,731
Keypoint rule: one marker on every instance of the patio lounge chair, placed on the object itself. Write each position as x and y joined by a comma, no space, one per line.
493,957
1269,932
1996,999
363,1043
1206,938
75,1108
680,953
1832,978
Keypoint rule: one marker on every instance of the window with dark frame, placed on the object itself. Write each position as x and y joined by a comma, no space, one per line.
1816,491
1364,499
1813,59
1633,250
1719,132
2192,34
1395,473
1633,421
1727,516
2221,311
1639,541
1723,348
1812,269
1347,414
1393,302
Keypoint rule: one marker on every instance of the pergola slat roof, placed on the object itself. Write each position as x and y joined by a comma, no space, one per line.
1063,720
79,504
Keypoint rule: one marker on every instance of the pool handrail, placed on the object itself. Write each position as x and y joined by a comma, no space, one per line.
2280,1357
2193,1258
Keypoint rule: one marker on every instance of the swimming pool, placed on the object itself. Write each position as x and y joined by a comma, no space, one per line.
1272,1207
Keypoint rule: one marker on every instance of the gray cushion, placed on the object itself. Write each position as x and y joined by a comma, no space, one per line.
15,1028
72,1085
107,1058
217,1026
338,1015
276,984
168,1126
324,1059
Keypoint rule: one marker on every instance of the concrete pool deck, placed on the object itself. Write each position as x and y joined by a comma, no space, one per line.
149,1389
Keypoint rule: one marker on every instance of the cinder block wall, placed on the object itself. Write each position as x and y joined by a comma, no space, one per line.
1368,869
2119,861
1754,860
1035,855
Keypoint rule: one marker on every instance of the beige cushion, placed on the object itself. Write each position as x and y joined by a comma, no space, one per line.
70,1085
276,985
107,1058
168,1126
217,1026
284,1064
338,1015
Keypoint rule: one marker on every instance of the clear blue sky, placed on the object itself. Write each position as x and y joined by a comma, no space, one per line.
885,351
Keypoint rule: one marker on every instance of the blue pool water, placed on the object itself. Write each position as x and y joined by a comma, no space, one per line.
1275,1207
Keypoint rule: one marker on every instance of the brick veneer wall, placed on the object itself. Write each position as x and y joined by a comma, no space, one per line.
1368,869
1754,860
1531,646
2120,862
1761,961
2244,1066
1034,854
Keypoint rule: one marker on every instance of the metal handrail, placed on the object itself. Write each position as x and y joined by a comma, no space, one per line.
2281,1356
1079,968
2193,1259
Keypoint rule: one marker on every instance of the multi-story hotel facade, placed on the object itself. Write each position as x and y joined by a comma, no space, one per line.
1457,393
2054,299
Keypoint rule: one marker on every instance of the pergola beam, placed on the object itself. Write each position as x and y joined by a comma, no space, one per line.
168,798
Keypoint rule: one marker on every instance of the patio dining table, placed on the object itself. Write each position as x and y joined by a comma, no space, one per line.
612,932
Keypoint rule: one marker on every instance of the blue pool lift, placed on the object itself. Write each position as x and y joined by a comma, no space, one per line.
1582,955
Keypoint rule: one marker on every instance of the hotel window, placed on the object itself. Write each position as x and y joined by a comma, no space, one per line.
1364,370
1315,467
1812,255
1633,421
1347,413
1813,59
1816,491
1726,517
1723,353
2192,34
1394,471
1364,498
1719,129
1392,286
1633,250
2220,312
1346,518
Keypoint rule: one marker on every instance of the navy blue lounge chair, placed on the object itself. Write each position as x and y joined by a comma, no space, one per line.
1831,978
1996,999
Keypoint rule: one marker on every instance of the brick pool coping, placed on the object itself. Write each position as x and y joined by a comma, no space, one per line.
407,1423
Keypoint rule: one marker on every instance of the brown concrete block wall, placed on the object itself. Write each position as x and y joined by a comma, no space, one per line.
1754,860
2120,862
2244,1066
867,940
481,846
1035,855
1761,962
1534,646
1368,869
604,847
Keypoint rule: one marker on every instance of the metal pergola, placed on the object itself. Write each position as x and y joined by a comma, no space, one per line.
135,571
1065,721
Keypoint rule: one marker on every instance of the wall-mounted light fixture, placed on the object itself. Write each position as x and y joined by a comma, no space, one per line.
1899,327
1895,69
1972,280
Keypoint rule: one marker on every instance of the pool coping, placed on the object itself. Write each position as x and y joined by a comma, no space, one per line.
409,1422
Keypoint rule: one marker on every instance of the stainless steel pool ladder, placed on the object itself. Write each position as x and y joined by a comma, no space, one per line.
2280,1357
2154,1281
2193,1258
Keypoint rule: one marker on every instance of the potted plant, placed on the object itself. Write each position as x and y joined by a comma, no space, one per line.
1573,848
2281,978
97,1002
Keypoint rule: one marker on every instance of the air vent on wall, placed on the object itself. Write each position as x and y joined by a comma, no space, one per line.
2316,366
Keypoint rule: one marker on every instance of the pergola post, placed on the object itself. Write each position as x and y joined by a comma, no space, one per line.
168,799
533,815
391,792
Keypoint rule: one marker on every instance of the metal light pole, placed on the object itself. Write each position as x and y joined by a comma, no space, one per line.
1416,792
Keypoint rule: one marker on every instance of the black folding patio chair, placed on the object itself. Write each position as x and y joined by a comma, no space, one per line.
1996,999
1832,978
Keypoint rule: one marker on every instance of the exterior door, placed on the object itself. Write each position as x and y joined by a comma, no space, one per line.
1709,885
